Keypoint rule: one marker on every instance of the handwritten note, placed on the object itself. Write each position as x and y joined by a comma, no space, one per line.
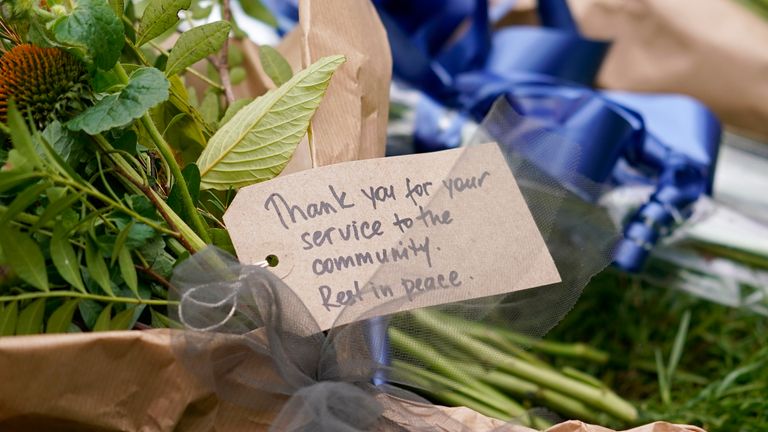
392,234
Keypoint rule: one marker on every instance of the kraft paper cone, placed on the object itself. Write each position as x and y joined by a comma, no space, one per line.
134,381
713,50
352,119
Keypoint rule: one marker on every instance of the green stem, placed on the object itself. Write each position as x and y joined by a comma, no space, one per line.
484,331
190,69
602,399
191,238
86,296
438,362
165,151
115,204
447,390
21,216
562,404
186,199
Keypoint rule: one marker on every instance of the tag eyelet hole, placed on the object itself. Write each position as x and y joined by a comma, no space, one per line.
272,260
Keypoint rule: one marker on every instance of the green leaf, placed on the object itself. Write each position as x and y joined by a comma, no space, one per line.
192,178
27,258
159,16
161,321
256,10
57,162
89,311
8,319
31,318
104,319
182,99
237,75
21,137
274,65
200,12
61,318
233,109
128,271
259,140
120,241
118,6
23,200
55,208
123,320
147,87
64,257
209,108
196,44
235,56
97,268
94,27
70,146
13,178
220,238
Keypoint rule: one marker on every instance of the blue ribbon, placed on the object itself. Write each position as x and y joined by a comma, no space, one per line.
546,73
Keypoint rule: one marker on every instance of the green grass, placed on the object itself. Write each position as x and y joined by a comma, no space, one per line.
679,358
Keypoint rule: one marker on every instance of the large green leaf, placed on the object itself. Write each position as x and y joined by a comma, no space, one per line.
147,87
31,318
196,44
64,257
159,16
27,258
94,27
275,66
256,144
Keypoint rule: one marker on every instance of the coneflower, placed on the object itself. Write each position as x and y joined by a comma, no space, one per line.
46,83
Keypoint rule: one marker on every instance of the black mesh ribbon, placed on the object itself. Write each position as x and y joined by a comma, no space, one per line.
254,342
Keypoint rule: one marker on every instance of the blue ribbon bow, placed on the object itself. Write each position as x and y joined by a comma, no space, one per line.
546,73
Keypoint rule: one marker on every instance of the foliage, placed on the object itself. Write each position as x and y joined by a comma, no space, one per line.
95,209
721,377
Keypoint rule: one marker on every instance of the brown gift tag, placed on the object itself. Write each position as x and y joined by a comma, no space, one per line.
394,234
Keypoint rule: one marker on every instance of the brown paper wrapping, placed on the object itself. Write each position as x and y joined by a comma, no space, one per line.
134,381
352,119
713,50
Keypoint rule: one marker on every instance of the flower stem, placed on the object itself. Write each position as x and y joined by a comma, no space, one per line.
165,151
192,242
86,296
577,350
438,362
448,390
602,399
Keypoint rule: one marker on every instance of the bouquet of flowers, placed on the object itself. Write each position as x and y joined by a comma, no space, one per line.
112,170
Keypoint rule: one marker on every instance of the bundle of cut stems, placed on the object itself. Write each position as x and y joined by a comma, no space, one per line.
497,372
